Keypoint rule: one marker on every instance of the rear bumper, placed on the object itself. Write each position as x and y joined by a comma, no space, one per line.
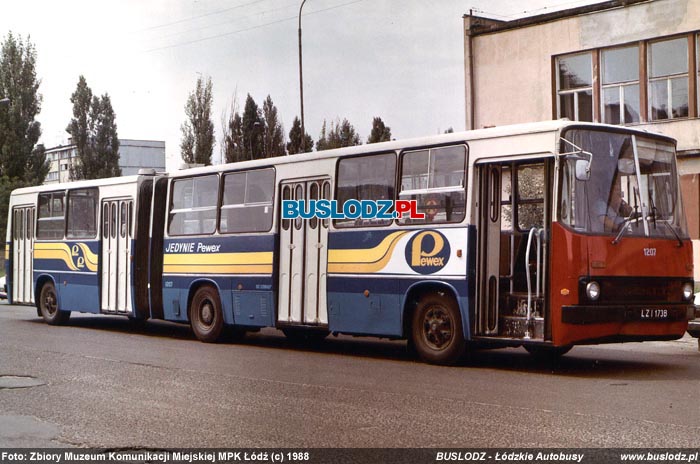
585,315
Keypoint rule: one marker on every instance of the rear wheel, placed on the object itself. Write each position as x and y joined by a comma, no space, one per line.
437,330
206,317
48,306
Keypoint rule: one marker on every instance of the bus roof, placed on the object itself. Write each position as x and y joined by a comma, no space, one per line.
77,184
455,137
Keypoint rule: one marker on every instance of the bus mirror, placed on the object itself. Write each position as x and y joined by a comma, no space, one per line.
583,170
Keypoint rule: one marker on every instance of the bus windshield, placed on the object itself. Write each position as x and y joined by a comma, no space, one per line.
620,184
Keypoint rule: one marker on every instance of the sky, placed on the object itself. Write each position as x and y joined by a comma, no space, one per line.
401,60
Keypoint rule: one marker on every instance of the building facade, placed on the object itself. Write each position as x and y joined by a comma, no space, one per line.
628,62
133,155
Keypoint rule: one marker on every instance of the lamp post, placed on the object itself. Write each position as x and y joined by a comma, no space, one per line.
301,86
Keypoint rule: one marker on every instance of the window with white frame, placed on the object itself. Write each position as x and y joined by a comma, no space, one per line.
668,79
575,87
620,85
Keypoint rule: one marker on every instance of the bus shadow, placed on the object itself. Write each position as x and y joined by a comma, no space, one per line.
581,362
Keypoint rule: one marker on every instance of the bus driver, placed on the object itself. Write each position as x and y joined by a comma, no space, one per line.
613,214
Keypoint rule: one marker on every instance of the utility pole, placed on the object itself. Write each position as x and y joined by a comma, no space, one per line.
301,86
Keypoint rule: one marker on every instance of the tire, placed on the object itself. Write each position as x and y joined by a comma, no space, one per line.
48,306
436,330
305,336
206,317
547,353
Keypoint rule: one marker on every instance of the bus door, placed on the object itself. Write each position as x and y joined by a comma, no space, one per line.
117,231
22,255
489,244
303,258
513,264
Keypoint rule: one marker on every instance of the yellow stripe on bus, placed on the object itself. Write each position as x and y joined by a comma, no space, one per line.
255,262
218,259
71,256
364,260
217,269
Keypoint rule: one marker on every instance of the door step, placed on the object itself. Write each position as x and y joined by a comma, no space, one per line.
516,304
516,327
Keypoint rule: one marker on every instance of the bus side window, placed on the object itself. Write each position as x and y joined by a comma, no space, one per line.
82,213
530,198
247,201
365,178
51,220
435,179
193,206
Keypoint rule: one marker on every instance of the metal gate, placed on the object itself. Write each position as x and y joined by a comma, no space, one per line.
303,258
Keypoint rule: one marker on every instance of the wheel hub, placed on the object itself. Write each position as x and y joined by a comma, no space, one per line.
438,328
207,313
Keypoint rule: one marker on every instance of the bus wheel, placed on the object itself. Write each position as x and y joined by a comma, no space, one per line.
206,317
437,330
48,306
547,353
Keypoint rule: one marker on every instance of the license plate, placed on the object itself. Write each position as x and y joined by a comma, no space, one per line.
653,313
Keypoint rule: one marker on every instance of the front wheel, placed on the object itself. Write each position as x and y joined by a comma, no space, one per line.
48,306
206,317
437,330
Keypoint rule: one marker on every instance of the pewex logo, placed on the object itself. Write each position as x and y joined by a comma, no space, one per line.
427,252
77,255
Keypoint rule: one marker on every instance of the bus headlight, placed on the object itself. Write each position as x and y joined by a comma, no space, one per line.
593,290
687,291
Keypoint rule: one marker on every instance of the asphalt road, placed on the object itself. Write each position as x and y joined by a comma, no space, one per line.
100,382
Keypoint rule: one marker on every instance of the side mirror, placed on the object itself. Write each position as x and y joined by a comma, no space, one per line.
583,170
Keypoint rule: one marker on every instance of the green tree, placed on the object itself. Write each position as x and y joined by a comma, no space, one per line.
273,135
197,144
380,132
232,140
37,165
340,134
22,163
19,131
253,129
93,130
294,144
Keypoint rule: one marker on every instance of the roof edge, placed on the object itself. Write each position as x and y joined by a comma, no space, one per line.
480,25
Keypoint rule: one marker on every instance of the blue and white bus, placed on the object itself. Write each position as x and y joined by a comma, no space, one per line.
507,251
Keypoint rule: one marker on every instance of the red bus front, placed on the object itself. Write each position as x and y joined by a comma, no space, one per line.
621,258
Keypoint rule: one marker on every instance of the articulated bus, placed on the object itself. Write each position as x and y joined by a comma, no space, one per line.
543,235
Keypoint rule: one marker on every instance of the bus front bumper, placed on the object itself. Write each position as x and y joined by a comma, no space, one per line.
604,314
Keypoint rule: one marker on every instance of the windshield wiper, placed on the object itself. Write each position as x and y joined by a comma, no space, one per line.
634,215
675,233
663,221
